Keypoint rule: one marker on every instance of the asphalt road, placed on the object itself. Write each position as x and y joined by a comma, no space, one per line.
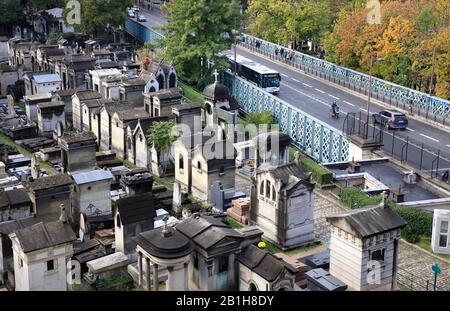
315,97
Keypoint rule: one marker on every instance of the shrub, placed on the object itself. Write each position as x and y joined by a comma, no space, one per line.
353,197
409,235
320,174
419,222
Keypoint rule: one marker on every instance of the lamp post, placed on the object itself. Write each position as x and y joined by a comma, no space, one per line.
370,94
235,48
433,65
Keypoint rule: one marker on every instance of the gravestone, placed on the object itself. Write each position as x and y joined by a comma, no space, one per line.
176,205
11,110
35,167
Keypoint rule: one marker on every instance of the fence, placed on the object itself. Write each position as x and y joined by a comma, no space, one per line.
415,283
402,147
140,32
358,124
321,141
388,92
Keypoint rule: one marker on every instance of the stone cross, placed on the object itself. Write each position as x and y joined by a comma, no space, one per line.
216,76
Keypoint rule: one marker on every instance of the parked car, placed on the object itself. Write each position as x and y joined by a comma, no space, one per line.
131,13
142,18
391,119
135,8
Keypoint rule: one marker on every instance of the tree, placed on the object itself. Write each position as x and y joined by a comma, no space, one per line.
195,32
38,5
53,37
11,13
160,136
96,15
258,118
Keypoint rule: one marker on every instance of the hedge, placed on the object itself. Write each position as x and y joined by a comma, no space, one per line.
353,197
419,222
320,174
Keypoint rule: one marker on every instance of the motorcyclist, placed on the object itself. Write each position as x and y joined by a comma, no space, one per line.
334,108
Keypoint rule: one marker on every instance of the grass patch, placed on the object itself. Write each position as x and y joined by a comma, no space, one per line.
128,164
199,202
303,248
123,279
272,247
353,197
233,223
163,182
8,141
192,94
20,104
425,243
419,222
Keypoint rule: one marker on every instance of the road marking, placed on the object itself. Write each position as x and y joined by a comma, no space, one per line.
284,75
349,103
411,130
306,84
309,96
295,80
320,91
430,138
333,96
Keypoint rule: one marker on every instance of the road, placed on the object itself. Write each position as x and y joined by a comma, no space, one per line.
315,96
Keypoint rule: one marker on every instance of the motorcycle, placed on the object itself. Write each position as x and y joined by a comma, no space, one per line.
334,112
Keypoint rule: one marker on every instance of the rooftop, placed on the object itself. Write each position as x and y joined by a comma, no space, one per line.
8,227
131,114
92,176
39,96
51,104
265,264
48,78
207,231
368,221
48,182
164,243
136,208
75,137
133,82
40,236
14,197
87,94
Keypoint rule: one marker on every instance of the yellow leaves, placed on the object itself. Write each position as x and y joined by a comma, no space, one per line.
398,38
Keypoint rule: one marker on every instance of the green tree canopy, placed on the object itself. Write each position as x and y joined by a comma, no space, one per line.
161,135
195,32
11,13
46,4
258,118
96,15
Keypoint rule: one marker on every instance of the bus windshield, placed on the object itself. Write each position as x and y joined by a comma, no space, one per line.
271,81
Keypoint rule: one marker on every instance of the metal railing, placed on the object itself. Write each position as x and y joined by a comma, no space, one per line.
430,107
414,282
318,139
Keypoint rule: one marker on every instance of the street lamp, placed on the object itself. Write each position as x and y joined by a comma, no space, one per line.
433,66
370,93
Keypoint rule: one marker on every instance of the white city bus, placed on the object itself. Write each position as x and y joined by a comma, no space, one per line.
265,78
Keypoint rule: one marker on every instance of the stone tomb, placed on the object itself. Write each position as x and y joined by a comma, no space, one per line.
240,210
